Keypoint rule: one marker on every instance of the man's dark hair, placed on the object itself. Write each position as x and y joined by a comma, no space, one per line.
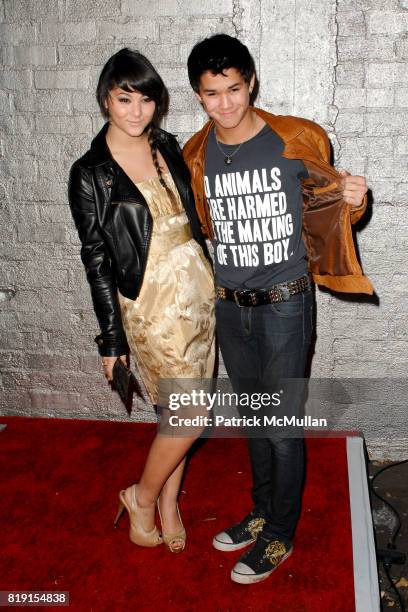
216,54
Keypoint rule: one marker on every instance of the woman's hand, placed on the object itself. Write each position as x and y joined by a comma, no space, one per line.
109,362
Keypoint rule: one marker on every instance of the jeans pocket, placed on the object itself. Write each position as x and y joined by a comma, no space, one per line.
291,308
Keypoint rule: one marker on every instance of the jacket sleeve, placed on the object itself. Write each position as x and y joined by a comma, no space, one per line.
356,212
95,257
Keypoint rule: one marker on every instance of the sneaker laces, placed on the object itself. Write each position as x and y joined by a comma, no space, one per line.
255,526
275,551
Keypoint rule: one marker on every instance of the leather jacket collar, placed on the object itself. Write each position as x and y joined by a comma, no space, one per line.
100,155
99,152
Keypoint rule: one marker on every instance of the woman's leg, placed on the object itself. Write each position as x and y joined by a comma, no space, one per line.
168,500
163,470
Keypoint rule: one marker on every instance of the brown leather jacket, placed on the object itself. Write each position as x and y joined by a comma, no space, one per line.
327,218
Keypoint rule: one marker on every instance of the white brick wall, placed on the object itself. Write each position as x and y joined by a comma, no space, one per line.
374,343
342,63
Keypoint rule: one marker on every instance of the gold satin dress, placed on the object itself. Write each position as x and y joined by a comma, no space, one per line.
170,326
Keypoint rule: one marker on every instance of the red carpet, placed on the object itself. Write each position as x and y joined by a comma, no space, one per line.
59,485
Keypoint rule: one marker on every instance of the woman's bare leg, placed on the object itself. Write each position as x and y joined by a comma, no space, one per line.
164,468
168,500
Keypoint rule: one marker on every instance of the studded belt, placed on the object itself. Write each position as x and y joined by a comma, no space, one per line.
258,297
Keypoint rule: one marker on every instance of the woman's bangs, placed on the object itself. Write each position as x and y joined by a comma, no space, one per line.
145,86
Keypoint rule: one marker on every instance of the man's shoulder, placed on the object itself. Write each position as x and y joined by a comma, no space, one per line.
310,127
290,124
299,131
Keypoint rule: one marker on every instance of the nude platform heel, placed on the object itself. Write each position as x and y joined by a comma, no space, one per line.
137,534
175,542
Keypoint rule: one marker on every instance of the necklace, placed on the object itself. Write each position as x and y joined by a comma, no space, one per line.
227,157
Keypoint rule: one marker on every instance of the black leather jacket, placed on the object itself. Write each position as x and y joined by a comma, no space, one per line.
115,239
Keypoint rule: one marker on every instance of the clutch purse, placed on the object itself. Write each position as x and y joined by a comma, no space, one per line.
125,383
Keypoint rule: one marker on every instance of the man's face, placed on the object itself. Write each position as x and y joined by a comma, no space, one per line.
225,97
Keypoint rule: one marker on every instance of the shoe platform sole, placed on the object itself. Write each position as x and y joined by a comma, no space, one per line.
225,547
253,578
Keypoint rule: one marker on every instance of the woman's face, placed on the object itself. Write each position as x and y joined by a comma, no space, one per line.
129,112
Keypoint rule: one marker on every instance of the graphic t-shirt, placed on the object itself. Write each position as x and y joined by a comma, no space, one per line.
256,210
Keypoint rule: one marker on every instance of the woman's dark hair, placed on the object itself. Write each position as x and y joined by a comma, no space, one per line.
216,54
132,71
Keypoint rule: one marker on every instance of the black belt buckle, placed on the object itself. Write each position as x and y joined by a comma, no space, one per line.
245,298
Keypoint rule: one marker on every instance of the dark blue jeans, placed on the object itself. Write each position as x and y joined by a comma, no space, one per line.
260,346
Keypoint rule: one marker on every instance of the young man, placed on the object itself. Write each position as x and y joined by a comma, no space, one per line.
276,211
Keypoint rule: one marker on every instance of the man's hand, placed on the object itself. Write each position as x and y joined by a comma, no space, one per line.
354,188
109,362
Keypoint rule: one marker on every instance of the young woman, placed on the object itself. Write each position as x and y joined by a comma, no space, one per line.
145,260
